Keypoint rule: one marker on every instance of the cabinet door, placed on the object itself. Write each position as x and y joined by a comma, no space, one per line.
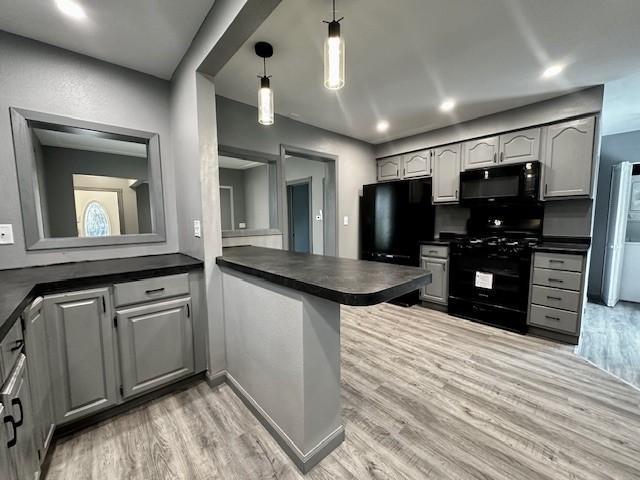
7,468
416,164
438,290
480,153
16,398
83,369
568,158
156,344
389,168
446,174
519,147
39,374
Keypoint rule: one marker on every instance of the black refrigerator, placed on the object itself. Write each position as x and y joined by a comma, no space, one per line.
394,218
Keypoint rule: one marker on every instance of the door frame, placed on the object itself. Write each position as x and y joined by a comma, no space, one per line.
308,181
233,218
330,213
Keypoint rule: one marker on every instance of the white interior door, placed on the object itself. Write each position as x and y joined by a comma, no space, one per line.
618,211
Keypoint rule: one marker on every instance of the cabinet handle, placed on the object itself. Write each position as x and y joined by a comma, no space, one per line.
456,194
16,401
556,280
545,188
433,251
154,290
17,345
501,157
553,298
551,260
104,305
495,158
552,318
14,440
188,311
444,267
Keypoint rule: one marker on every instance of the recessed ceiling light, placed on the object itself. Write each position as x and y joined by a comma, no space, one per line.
448,105
382,126
553,70
72,9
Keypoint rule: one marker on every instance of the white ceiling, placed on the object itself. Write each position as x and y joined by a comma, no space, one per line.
91,143
150,36
405,56
236,163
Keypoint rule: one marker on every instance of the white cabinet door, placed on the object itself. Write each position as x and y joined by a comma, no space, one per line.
568,158
446,174
519,147
438,290
480,153
389,168
417,164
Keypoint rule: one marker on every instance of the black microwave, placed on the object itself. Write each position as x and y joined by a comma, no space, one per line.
518,183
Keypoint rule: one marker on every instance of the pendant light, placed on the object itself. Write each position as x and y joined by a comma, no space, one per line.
334,55
265,95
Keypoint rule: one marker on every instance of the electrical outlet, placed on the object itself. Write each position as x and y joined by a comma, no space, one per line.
345,220
242,225
6,234
197,230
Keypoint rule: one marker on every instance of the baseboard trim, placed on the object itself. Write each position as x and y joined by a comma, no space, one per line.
303,462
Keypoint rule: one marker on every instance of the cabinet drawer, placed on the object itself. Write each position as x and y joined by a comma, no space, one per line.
559,261
554,319
557,279
556,298
10,349
151,289
438,251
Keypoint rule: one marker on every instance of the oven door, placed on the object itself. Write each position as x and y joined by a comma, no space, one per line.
512,183
491,279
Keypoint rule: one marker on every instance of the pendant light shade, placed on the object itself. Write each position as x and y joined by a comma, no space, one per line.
266,114
334,55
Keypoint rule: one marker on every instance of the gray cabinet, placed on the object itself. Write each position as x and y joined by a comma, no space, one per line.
417,164
7,469
480,153
16,399
156,344
83,368
568,159
438,290
521,146
446,174
389,168
37,348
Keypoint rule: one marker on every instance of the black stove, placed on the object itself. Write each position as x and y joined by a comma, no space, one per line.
491,267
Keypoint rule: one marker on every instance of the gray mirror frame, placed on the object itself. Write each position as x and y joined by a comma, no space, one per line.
26,170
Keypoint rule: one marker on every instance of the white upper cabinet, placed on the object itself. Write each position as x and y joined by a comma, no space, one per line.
389,168
446,171
417,164
568,158
519,147
480,153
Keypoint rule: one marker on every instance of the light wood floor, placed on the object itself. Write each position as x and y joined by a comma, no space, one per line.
610,338
425,396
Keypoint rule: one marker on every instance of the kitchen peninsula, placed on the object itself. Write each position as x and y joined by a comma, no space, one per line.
282,321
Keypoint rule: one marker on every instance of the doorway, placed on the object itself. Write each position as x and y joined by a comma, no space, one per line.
299,200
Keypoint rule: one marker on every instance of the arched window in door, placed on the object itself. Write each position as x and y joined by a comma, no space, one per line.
96,220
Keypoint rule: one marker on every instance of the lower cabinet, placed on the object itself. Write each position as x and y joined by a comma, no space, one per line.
83,368
7,469
156,344
18,416
438,264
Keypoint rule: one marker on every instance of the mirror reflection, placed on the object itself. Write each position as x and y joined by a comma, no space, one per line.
248,194
90,184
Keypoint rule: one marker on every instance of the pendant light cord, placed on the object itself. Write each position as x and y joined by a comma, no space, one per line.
334,10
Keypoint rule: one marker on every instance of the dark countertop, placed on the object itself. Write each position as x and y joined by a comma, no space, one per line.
18,287
440,243
579,245
341,280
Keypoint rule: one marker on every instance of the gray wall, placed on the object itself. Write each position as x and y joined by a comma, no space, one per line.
40,77
614,149
59,166
356,167
232,177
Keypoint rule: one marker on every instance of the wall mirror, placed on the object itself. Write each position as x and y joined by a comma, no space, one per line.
84,184
248,192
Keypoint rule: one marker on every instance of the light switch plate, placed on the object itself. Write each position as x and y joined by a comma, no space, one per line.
242,225
197,230
346,220
6,234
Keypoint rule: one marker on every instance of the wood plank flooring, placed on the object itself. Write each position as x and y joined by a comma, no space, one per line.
610,338
425,396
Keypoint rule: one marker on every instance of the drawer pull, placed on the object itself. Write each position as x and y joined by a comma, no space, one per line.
17,345
433,251
554,298
556,280
553,260
154,290
552,318
14,440
16,401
